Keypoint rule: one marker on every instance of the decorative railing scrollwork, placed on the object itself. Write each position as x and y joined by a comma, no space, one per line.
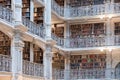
5,14
34,28
87,74
5,63
33,69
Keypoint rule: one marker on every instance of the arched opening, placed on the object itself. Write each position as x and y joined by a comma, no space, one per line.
5,43
6,3
117,71
37,53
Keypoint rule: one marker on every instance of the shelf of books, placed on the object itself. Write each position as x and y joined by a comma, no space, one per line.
60,2
38,54
75,3
117,28
81,30
117,1
26,8
26,51
38,15
58,30
91,61
6,3
58,61
5,44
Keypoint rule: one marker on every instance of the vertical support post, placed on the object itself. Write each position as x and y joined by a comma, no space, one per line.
47,19
18,12
31,10
67,68
108,64
17,56
47,57
66,34
31,53
108,32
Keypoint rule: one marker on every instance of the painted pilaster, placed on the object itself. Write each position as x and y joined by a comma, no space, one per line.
47,57
17,55
47,19
67,68
17,12
108,32
31,53
108,64
31,10
66,34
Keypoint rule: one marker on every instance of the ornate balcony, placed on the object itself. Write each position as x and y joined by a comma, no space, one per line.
5,63
58,9
34,28
33,69
87,74
83,42
83,11
5,14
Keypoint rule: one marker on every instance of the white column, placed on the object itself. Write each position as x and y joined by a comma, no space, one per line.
66,9
47,18
108,64
17,56
31,53
108,32
67,68
47,57
66,34
18,12
31,10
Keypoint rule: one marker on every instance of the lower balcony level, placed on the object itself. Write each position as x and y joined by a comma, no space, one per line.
36,70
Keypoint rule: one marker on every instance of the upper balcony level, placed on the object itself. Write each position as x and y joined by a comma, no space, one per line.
72,10
79,41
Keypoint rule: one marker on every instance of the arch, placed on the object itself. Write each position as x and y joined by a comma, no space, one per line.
5,44
38,52
117,71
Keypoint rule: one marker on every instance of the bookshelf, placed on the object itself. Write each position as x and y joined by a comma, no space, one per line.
5,44
117,28
82,30
26,9
38,54
58,61
116,1
58,30
38,15
90,61
26,51
76,3
60,2
99,29
6,3
86,29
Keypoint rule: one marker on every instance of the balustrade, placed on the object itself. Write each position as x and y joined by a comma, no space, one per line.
80,42
87,10
116,7
116,40
58,9
33,69
34,28
92,10
58,74
5,14
5,63
87,74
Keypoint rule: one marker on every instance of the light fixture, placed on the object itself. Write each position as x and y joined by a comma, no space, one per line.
102,16
101,49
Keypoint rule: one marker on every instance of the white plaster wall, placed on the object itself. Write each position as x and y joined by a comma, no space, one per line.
115,57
